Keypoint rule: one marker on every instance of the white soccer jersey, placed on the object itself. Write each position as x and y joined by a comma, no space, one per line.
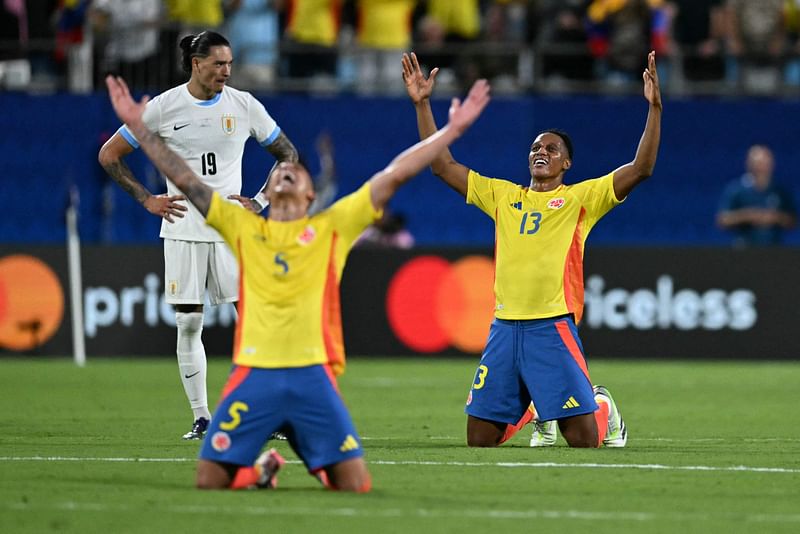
210,135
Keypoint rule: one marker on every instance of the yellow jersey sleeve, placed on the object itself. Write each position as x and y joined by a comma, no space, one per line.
351,214
597,196
229,220
485,193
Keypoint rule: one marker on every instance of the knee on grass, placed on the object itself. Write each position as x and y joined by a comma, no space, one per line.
581,439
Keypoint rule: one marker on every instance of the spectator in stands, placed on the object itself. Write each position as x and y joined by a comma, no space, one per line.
70,21
504,32
460,22
184,17
196,16
129,29
698,31
756,41
622,31
254,27
753,207
40,29
558,31
311,35
383,32
792,25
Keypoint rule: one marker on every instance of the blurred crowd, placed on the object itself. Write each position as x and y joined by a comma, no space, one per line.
750,46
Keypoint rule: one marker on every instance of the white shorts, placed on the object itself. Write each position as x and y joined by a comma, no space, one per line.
192,266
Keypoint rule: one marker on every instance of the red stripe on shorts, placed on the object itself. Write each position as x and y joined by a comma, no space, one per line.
234,380
572,346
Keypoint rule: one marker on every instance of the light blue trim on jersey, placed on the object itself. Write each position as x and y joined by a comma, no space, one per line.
271,139
128,136
206,103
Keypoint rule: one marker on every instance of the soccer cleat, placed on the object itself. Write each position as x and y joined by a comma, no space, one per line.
270,463
198,429
617,433
280,436
544,433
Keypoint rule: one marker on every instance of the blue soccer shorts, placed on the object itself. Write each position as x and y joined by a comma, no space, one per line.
538,360
302,402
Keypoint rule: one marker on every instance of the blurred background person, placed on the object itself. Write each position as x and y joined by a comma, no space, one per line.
255,31
755,44
383,33
558,30
620,34
753,207
698,30
127,33
310,38
504,34
459,22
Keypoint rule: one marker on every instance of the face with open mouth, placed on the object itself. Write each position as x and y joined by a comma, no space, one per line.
290,180
548,156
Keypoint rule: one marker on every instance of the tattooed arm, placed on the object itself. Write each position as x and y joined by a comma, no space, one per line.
283,150
111,158
169,163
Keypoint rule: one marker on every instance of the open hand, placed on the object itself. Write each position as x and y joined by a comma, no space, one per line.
165,206
463,114
248,203
652,91
418,86
127,109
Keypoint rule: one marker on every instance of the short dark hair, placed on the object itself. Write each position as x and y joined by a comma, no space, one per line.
198,46
564,137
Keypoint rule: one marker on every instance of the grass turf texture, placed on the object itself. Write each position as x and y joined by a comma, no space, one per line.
79,450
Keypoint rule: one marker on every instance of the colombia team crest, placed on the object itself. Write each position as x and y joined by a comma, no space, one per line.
556,203
228,124
307,236
221,441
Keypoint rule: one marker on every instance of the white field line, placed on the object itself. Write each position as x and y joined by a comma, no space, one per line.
540,465
72,506
630,440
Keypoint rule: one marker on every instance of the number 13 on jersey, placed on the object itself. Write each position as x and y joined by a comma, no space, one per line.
480,377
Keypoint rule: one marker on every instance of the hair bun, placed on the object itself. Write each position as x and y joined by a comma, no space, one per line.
186,42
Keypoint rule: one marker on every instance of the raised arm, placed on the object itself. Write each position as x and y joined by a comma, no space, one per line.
169,163
413,160
111,158
419,90
629,176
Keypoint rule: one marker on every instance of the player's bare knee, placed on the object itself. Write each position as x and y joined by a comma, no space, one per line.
583,440
350,475
481,440
211,476
361,483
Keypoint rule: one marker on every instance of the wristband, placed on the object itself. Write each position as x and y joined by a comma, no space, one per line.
261,200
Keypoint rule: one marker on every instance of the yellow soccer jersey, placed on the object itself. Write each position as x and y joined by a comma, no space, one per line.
539,240
289,280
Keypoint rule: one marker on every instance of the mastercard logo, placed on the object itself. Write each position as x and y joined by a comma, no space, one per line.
433,304
31,302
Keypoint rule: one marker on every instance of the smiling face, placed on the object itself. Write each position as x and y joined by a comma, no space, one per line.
211,73
548,157
290,182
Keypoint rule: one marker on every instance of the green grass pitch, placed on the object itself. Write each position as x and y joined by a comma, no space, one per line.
713,447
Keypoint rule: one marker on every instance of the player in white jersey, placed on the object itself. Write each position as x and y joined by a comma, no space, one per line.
207,124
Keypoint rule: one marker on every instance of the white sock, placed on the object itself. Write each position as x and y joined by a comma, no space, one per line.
192,361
